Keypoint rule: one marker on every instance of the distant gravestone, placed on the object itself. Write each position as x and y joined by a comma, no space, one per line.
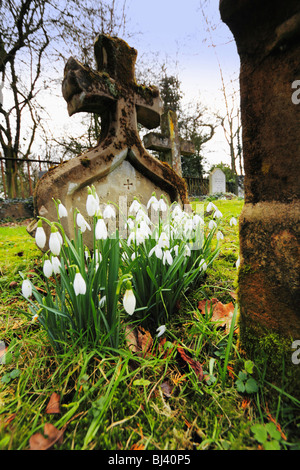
169,142
119,167
217,181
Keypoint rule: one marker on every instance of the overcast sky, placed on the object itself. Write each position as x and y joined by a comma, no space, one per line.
193,41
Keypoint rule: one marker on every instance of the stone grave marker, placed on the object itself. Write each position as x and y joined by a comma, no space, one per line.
169,142
267,36
217,181
119,166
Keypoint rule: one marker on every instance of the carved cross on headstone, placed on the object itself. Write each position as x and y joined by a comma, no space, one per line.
169,142
111,92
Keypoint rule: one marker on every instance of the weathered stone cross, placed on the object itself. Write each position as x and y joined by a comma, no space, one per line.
169,142
119,165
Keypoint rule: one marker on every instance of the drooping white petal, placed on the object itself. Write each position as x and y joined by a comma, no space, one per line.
55,243
40,237
135,206
218,214
129,301
211,206
79,284
55,264
220,235
167,257
162,205
152,201
233,221
26,288
101,230
203,265
62,211
109,212
160,330
92,205
47,268
212,224
82,223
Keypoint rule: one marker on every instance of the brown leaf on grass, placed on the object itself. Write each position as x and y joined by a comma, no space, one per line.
53,406
39,442
222,313
167,388
196,366
139,340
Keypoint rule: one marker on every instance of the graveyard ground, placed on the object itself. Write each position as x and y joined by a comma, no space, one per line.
193,391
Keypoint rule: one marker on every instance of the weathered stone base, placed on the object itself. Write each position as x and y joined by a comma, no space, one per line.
269,288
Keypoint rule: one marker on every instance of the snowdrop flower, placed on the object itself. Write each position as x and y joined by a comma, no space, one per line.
153,202
62,211
218,214
35,317
177,211
135,206
220,236
40,236
55,264
92,205
109,212
162,205
197,220
160,330
175,248
102,301
163,240
79,284
233,221
47,268
129,224
203,265
82,223
211,206
129,301
101,230
26,288
97,256
167,257
157,250
187,250
55,243
237,263
212,224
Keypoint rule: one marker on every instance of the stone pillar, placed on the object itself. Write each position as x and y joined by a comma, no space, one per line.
267,36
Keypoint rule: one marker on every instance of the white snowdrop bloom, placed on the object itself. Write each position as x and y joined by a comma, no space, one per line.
109,212
218,214
163,240
55,264
175,248
211,206
130,224
197,220
40,237
157,250
79,284
160,330
220,235
233,221
102,301
82,223
101,230
47,268
237,263
135,206
131,238
167,257
55,243
212,224
92,205
203,265
26,288
152,202
162,205
187,250
177,211
129,301
97,256
142,216
62,211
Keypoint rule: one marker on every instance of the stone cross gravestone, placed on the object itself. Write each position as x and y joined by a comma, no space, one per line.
217,181
267,36
169,142
119,166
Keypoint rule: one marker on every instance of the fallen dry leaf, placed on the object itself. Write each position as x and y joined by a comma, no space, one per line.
53,406
196,366
39,442
222,313
139,340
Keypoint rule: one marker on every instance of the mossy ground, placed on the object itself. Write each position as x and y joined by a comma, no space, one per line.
118,400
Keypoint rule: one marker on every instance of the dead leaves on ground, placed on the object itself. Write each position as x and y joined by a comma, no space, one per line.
221,313
38,441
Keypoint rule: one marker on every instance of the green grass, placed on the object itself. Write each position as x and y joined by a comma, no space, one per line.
119,400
